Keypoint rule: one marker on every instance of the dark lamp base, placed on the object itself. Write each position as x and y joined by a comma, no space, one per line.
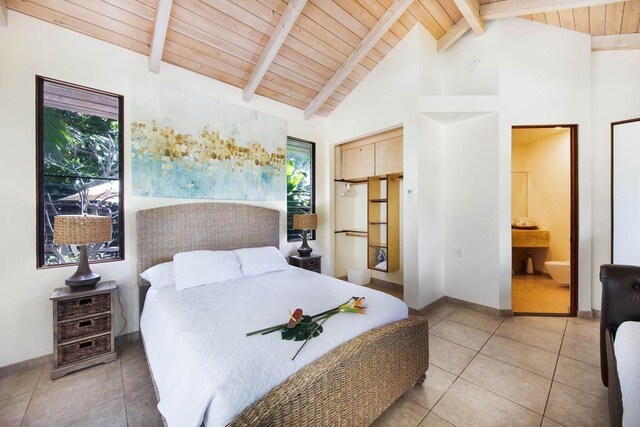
304,250
83,278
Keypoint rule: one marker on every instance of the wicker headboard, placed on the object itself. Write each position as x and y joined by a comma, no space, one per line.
163,232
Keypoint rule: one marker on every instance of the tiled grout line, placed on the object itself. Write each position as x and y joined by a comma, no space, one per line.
124,394
35,387
544,412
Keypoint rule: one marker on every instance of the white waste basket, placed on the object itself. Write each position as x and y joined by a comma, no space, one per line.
359,276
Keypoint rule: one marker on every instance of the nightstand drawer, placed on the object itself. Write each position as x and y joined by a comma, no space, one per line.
314,269
75,329
84,349
314,262
82,306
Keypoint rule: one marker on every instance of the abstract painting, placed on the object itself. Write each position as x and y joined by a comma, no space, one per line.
188,145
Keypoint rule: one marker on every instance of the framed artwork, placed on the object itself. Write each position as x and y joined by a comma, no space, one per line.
188,145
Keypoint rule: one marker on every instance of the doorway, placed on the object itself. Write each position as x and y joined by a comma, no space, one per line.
544,220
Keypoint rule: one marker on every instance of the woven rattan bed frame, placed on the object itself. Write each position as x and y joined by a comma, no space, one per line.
350,385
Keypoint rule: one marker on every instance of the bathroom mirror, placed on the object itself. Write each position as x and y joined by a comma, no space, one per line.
519,182
625,192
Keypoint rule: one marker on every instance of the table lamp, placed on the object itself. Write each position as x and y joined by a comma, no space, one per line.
81,230
305,222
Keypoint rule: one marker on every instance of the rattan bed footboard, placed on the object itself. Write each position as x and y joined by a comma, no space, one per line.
352,384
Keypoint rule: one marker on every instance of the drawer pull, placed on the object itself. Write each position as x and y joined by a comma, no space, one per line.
84,323
85,344
84,301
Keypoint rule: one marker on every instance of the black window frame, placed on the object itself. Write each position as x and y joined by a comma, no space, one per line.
40,175
313,188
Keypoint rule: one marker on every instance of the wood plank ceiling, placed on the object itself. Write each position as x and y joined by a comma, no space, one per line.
224,39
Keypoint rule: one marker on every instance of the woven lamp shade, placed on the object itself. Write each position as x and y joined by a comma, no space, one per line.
81,229
305,221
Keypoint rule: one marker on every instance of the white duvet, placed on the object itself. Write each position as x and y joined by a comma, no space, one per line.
208,371
627,348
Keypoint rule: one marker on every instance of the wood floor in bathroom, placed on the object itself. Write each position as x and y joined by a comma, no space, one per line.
538,294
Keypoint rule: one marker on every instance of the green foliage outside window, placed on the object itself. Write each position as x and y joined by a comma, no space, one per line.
300,185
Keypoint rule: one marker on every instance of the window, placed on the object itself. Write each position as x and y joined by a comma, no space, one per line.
301,186
80,167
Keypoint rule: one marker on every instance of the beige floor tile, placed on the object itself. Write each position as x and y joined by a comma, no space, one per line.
131,350
476,319
466,404
593,322
580,375
538,294
12,409
19,382
522,387
525,356
583,333
437,382
552,324
46,381
458,333
529,335
111,414
449,356
403,413
433,420
440,311
573,407
581,350
73,394
546,422
135,374
142,408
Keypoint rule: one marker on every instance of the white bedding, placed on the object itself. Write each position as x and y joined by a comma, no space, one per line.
627,348
206,369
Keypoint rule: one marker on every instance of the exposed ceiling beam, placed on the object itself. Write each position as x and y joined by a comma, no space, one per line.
451,36
159,34
280,33
616,42
470,10
392,14
510,8
4,19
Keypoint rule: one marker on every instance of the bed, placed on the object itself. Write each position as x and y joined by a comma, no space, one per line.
351,384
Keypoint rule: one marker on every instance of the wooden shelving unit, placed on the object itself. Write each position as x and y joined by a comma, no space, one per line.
383,230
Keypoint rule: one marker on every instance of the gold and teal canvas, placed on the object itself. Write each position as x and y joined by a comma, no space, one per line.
188,145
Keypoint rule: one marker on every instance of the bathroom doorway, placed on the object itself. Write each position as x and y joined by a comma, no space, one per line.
544,220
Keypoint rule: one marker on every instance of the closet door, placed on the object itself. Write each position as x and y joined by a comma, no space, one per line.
389,156
358,162
625,189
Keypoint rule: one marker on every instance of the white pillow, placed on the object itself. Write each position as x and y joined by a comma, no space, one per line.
261,260
198,268
160,275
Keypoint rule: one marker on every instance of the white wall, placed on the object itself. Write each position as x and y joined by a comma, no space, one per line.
386,99
31,47
470,181
616,96
545,78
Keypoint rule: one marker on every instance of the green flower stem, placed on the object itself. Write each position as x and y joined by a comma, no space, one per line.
267,330
311,335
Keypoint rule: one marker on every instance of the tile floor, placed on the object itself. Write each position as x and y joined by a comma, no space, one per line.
484,371
519,371
538,294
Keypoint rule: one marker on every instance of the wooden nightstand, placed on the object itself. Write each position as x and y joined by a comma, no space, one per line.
311,262
83,328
